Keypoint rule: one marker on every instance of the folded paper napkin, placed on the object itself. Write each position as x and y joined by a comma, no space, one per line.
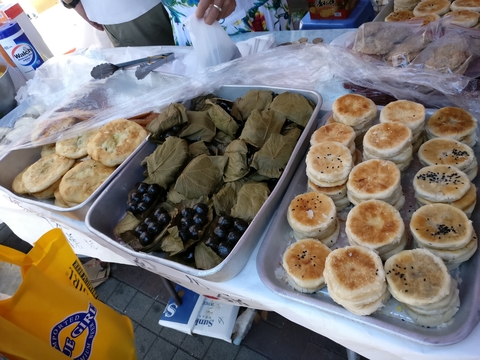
256,44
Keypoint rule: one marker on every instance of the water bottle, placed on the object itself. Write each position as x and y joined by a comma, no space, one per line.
19,48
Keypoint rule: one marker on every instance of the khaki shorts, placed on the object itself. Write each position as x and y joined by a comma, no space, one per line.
151,28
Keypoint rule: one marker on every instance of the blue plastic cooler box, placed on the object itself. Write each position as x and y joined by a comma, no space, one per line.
362,13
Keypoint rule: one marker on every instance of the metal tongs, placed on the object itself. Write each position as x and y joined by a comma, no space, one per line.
147,64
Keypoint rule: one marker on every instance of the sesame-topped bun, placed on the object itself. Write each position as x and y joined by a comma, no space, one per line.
441,226
454,123
304,262
353,109
466,203
399,15
328,163
387,139
374,224
441,183
355,273
454,258
448,151
417,277
312,215
338,132
409,113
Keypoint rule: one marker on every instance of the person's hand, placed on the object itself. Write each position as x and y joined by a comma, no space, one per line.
81,11
212,10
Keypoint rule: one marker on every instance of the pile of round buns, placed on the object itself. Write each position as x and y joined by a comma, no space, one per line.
443,235
463,12
72,169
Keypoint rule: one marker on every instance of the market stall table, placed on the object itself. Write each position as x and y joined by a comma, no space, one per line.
29,222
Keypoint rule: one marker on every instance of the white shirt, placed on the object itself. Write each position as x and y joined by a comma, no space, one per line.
109,12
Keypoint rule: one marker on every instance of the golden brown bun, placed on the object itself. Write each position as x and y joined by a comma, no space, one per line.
428,7
387,139
373,179
354,273
451,122
417,277
304,262
409,113
82,180
353,109
374,224
473,5
441,183
328,163
344,134
400,15
441,226
115,141
45,171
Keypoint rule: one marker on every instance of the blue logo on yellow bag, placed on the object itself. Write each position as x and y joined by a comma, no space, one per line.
74,335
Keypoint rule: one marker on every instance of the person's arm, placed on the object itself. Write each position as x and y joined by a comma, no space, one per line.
212,10
77,5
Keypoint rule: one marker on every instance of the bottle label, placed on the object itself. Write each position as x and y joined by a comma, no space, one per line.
23,53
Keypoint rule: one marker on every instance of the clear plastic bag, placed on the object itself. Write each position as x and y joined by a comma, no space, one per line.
212,44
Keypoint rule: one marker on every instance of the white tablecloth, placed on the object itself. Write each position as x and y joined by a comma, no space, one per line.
246,289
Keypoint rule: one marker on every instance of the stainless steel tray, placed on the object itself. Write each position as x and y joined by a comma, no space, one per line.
17,160
109,208
386,10
391,318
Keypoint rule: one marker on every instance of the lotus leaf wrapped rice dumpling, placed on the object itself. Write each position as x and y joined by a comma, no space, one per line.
237,166
166,162
250,199
222,120
252,100
259,126
272,158
294,107
175,114
226,156
200,127
201,176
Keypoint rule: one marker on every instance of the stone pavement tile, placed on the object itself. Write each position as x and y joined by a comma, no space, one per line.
129,274
313,351
274,318
182,355
248,354
196,345
143,341
220,349
172,336
261,337
134,324
121,297
151,318
290,343
326,343
160,350
153,287
139,306
106,289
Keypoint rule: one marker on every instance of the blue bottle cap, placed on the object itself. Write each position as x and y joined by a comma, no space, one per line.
8,29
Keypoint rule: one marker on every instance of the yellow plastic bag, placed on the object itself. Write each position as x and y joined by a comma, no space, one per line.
52,307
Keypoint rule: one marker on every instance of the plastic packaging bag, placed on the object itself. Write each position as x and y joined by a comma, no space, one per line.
49,309
212,44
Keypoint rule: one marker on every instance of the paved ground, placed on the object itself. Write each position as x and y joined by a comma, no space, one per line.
142,297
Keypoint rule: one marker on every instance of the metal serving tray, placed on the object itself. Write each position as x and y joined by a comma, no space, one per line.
390,318
109,208
17,160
